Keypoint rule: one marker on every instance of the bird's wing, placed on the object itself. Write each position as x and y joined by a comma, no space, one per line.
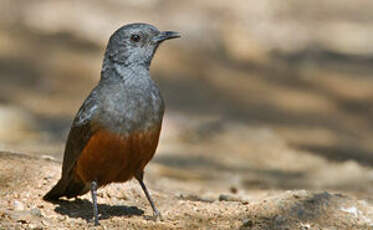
82,129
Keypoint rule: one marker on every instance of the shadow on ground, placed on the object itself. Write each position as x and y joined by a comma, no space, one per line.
298,211
79,208
341,153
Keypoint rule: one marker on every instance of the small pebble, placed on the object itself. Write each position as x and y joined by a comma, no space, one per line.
224,197
247,223
22,221
48,157
45,223
233,190
36,212
18,205
34,227
61,218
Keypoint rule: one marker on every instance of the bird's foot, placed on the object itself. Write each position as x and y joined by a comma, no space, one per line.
95,221
156,216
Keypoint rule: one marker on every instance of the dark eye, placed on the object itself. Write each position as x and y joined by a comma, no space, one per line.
135,37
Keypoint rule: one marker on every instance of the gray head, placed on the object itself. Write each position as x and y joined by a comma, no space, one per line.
135,45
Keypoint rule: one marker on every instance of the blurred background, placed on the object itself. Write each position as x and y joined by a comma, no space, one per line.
261,95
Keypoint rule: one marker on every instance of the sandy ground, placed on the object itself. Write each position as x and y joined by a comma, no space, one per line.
185,199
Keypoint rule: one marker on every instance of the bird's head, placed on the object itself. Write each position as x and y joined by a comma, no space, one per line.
135,44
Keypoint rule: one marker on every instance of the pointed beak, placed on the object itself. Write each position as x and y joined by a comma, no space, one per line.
165,35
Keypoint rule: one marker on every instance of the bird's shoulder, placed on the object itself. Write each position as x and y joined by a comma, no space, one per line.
88,109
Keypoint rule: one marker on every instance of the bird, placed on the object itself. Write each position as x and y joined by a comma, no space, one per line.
115,132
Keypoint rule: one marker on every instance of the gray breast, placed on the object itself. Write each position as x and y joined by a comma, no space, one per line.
132,107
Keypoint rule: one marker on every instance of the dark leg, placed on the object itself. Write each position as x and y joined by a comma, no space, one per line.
156,213
94,201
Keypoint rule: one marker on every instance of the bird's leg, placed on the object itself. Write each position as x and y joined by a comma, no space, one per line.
156,213
94,201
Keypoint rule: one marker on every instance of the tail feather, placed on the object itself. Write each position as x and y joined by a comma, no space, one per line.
76,188
56,192
70,188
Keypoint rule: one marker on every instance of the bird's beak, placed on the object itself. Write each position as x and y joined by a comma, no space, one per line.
165,35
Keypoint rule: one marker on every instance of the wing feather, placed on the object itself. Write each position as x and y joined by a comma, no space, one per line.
82,129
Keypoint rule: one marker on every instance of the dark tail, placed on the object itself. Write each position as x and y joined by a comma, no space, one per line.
56,192
69,188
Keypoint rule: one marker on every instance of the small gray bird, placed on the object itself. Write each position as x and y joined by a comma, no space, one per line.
115,132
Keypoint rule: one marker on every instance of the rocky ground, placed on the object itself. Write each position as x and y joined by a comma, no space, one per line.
124,206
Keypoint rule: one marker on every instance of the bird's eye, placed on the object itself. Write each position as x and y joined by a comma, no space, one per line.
135,37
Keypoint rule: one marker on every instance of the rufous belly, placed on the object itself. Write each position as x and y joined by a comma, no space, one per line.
110,157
